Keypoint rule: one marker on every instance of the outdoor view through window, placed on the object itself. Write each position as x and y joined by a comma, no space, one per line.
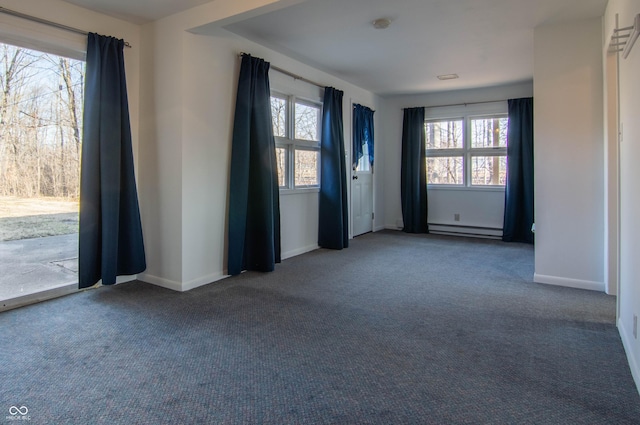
296,127
467,152
40,147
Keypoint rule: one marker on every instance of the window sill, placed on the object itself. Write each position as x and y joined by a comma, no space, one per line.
466,188
299,191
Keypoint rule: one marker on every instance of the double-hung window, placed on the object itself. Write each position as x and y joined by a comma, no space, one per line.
296,127
469,151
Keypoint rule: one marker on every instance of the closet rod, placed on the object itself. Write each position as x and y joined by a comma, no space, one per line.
46,22
290,74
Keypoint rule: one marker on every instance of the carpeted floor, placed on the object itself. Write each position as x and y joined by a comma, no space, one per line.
396,329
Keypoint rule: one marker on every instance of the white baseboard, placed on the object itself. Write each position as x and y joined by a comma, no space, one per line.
379,228
570,283
125,279
192,284
181,286
298,251
627,343
159,281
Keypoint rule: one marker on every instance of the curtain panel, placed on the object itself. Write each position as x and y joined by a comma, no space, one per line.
362,133
413,184
519,200
254,197
110,241
333,229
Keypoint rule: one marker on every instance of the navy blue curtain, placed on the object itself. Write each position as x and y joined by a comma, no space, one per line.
110,242
518,208
413,185
254,202
362,133
333,228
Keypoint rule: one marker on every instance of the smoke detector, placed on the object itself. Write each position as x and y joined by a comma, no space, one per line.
381,23
448,77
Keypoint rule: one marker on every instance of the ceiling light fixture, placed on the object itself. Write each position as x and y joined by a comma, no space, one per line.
448,77
381,23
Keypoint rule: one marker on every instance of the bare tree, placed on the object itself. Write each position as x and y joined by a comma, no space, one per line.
40,123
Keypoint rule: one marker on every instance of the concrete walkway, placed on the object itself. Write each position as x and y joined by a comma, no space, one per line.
30,266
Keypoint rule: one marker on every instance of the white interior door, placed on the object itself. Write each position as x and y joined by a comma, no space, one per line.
362,180
362,201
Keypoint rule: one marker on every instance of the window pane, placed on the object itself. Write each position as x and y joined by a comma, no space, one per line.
489,170
279,116
364,164
307,118
444,134
306,167
445,170
281,159
489,132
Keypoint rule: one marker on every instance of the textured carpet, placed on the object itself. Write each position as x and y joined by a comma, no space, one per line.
396,329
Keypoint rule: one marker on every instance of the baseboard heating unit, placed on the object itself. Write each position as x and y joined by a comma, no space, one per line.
467,231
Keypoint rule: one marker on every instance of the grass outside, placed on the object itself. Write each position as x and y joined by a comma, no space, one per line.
25,218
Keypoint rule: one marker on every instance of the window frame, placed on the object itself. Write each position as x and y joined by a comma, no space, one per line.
290,144
466,152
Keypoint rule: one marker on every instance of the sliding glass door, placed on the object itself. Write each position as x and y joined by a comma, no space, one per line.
40,146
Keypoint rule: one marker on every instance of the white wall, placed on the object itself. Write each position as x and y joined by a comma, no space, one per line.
188,103
569,155
477,207
629,82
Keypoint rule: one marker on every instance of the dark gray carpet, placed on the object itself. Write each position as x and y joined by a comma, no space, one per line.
397,329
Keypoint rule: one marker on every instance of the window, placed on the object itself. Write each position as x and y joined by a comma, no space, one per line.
445,153
469,151
40,123
364,164
296,127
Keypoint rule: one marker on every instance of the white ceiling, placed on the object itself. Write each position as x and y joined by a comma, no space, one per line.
138,11
485,42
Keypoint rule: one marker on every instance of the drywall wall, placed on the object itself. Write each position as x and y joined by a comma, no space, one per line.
629,87
569,155
477,207
188,98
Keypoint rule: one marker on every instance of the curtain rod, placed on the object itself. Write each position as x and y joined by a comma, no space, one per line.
46,22
290,74
465,104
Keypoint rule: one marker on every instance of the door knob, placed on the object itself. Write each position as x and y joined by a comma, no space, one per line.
355,177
